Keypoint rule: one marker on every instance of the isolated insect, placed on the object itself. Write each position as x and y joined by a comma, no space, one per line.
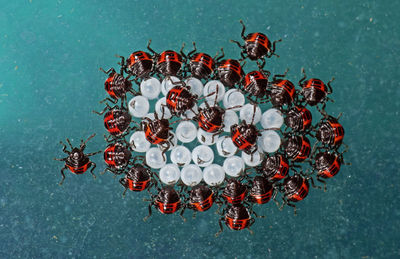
297,148
167,201
230,72
299,119
169,62
275,167
77,161
139,64
315,91
330,132
256,85
257,46
234,192
261,190
117,157
282,91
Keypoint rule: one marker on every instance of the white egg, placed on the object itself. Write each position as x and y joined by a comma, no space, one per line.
196,86
170,174
206,138
202,155
213,175
155,158
253,159
211,87
270,141
247,112
225,146
167,84
230,118
272,119
233,166
138,106
150,88
232,98
191,175
186,131
161,109
138,142
181,156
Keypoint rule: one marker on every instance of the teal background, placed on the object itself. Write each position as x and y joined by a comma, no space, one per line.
50,82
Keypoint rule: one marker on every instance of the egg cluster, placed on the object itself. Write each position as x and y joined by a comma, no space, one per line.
214,135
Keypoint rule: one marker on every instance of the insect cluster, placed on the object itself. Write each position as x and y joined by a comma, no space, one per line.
170,152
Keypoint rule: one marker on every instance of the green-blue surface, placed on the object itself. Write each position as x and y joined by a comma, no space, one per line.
50,81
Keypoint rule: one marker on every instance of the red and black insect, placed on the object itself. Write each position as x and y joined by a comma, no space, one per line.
330,132
314,91
244,136
261,190
275,167
77,161
236,217
201,198
282,91
230,72
167,201
117,157
297,148
138,178
180,99
296,188
157,131
201,65
257,46
211,118
169,62
116,121
299,119
117,86
256,85
234,191
139,64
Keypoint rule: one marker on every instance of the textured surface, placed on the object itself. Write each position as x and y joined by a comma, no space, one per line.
50,56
